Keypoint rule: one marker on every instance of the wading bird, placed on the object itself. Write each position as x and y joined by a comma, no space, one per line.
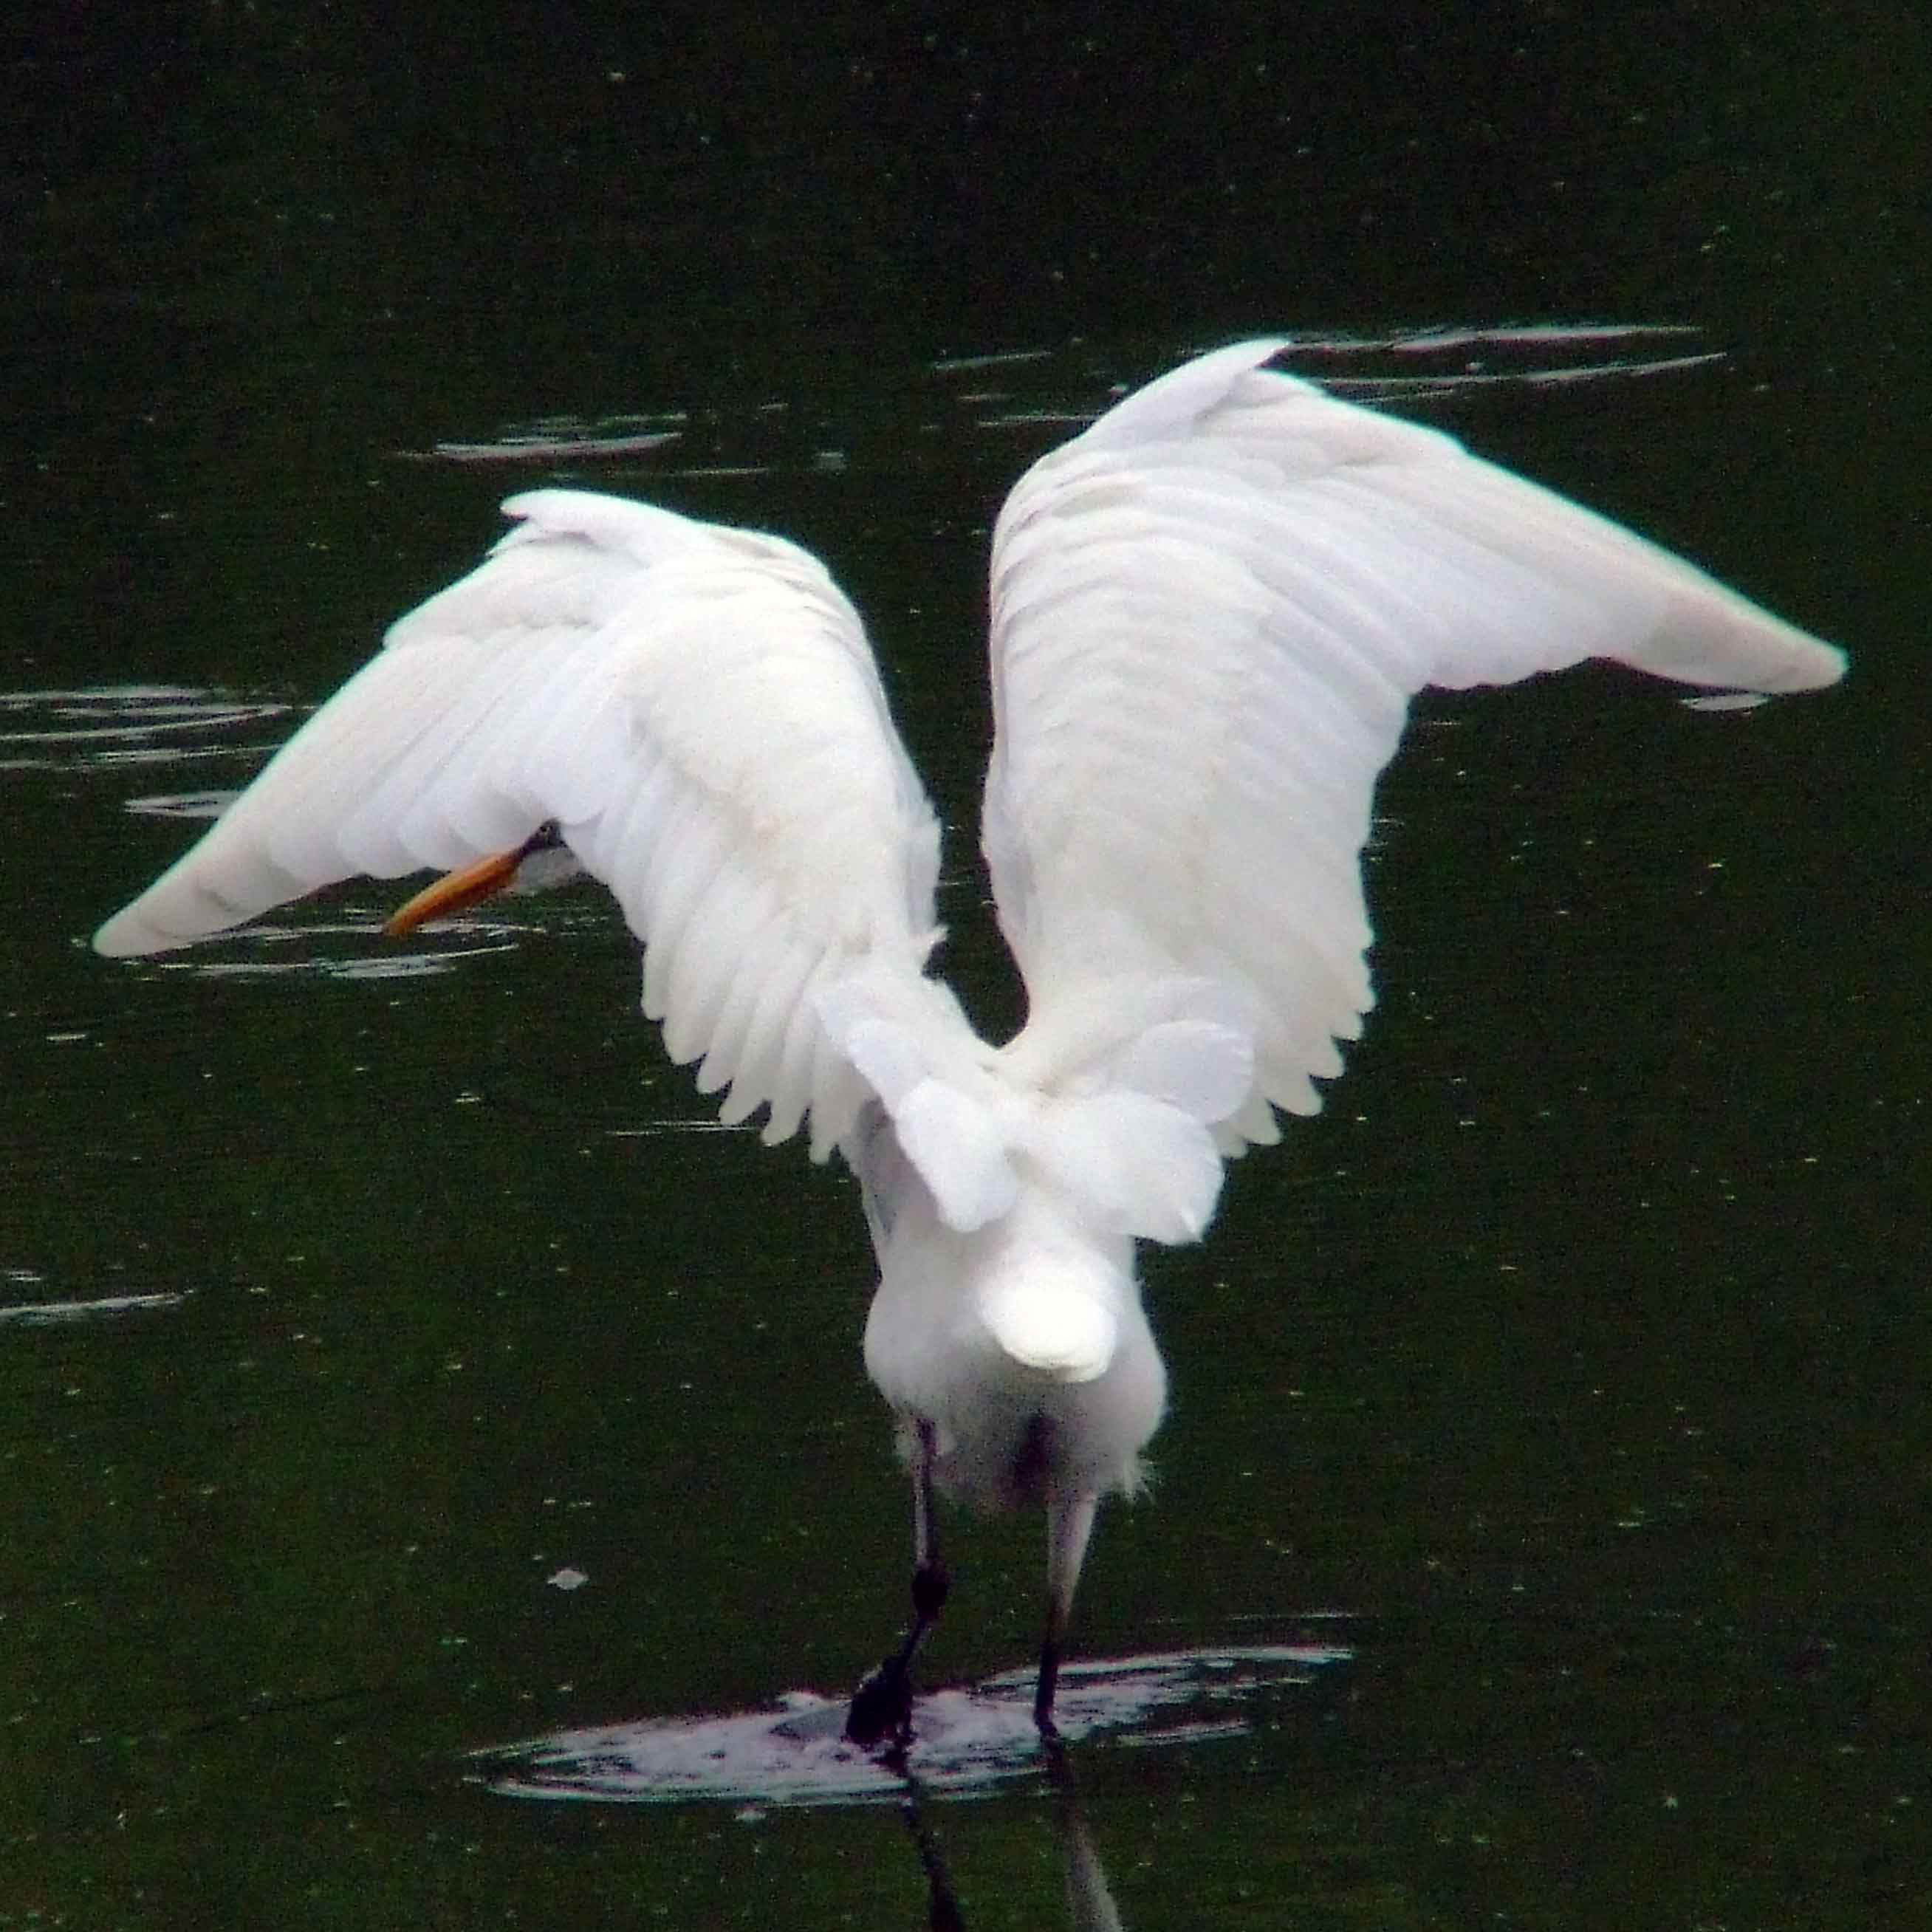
1208,612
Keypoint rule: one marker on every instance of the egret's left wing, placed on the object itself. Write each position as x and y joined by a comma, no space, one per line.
697,710
1209,613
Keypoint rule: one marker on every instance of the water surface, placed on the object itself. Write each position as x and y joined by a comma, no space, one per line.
402,1372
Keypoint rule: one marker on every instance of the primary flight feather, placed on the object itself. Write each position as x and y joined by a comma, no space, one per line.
1209,612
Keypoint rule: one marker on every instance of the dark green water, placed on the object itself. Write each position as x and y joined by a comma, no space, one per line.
1568,1373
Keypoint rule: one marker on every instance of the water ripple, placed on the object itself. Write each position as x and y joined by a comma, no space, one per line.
107,726
965,1740
49,1314
958,409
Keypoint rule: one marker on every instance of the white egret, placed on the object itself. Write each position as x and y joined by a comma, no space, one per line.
1208,612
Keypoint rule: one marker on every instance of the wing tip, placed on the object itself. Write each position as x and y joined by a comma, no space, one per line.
1718,639
134,931
1815,665
124,937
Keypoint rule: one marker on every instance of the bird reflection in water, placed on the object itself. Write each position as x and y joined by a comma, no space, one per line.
964,1743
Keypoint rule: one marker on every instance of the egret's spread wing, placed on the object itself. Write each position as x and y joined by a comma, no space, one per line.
1209,613
698,709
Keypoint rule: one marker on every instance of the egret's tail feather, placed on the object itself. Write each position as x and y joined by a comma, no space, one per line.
913,1048
1121,1122
1056,1325
1141,1166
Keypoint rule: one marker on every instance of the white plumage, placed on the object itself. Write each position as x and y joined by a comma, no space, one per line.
1209,612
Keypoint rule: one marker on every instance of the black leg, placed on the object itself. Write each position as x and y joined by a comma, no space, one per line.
1070,1523
1043,1690
883,1707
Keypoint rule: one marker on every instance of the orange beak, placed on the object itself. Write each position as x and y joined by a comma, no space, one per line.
456,891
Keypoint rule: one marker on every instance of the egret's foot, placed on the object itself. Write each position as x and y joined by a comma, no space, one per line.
881,1710
1048,1684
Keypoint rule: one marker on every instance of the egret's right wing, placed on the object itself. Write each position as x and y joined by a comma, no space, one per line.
698,709
1209,613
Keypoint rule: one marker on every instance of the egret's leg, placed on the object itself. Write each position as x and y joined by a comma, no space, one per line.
929,1579
1070,1523
884,1703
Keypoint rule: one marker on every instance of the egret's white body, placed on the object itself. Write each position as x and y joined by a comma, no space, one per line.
1208,614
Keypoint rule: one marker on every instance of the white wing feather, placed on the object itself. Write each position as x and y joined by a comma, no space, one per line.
699,711
1209,612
